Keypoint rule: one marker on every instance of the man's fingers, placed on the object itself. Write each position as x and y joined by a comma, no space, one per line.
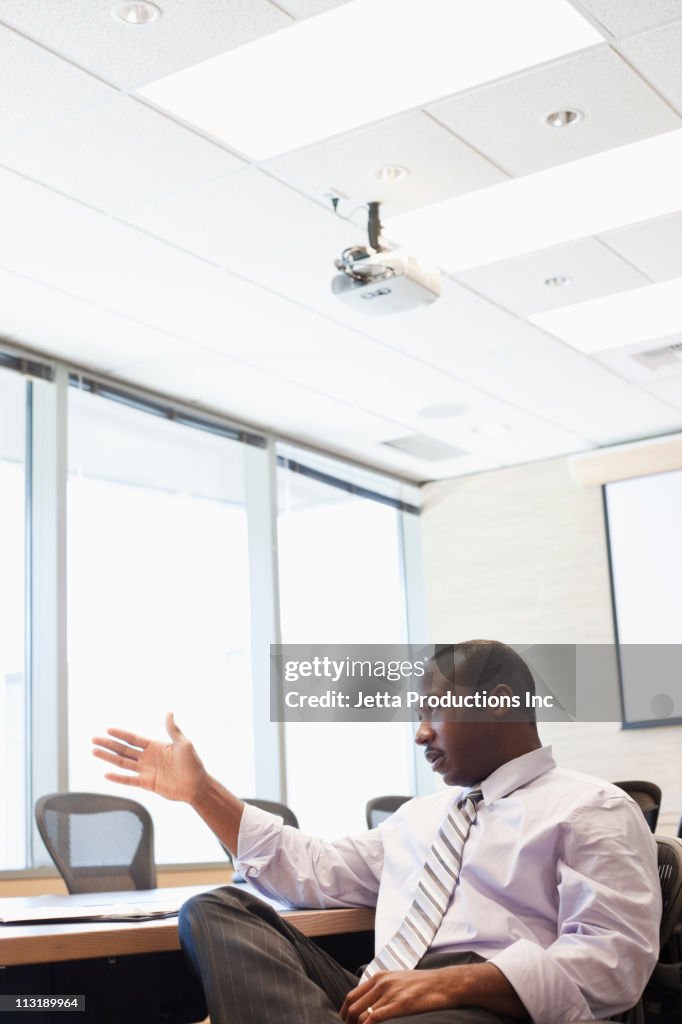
121,762
377,1014
353,995
117,748
358,1002
171,728
358,1009
126,780
129,737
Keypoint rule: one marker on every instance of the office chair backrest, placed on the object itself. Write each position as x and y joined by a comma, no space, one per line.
382,807
274,808
647,795
670,875
663,994
99,843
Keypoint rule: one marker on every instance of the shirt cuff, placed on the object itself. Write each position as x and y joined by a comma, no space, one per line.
259,833
541,984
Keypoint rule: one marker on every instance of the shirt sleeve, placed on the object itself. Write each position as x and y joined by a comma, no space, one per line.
303,871
609,913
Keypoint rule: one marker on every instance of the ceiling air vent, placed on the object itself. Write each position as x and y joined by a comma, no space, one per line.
663,357
424,447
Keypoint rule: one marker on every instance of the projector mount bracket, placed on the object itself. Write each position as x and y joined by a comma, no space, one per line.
354,260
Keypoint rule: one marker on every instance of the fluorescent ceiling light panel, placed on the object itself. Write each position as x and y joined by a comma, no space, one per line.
614,321
362,62
585,197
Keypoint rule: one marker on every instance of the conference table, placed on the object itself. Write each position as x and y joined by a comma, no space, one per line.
119,964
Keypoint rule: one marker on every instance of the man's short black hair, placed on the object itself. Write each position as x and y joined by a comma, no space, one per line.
483,664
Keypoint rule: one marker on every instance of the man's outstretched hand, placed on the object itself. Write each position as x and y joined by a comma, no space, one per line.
173,770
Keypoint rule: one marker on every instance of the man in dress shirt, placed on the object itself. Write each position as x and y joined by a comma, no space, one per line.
554,916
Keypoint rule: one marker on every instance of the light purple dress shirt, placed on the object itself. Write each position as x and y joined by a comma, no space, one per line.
558,887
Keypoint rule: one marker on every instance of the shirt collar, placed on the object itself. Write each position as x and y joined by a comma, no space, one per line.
516,773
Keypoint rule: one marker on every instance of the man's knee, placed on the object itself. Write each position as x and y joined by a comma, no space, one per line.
198,910
224,905
227,896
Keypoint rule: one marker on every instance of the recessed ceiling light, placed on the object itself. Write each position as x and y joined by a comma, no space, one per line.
492,429
139,13
559,281
563,118
390,173
615,321
442,411
294,87
584,197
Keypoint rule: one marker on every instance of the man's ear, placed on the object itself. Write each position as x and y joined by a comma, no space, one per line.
503,690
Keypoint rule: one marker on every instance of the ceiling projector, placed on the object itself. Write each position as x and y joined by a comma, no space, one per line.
379,281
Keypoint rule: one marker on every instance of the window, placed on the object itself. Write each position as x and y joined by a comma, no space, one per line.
341,581
137,539
13,392
158,600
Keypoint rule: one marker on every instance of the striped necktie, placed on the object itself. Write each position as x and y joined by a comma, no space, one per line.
436,886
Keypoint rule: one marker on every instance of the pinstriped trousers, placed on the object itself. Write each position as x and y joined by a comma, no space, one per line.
256,968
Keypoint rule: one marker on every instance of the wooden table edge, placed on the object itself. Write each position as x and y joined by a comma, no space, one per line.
52,943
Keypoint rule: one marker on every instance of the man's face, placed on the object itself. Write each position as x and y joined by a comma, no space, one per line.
457,744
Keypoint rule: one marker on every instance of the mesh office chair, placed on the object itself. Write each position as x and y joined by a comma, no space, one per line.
274,808
382,807
647,795
99,843
662,1000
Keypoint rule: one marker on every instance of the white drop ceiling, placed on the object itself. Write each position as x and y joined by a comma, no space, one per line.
138,246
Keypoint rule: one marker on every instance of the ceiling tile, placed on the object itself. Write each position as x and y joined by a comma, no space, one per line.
524,439
266,400
590,269
408,386
85,32
439,164
506,120
247,222
622,17
39,89
87,254
55,240
654,246
492,350
657,55
62,325
669,391
116,155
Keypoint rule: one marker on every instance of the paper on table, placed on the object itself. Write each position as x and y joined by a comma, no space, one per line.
94,912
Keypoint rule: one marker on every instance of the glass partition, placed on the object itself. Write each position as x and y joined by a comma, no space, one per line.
341,581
